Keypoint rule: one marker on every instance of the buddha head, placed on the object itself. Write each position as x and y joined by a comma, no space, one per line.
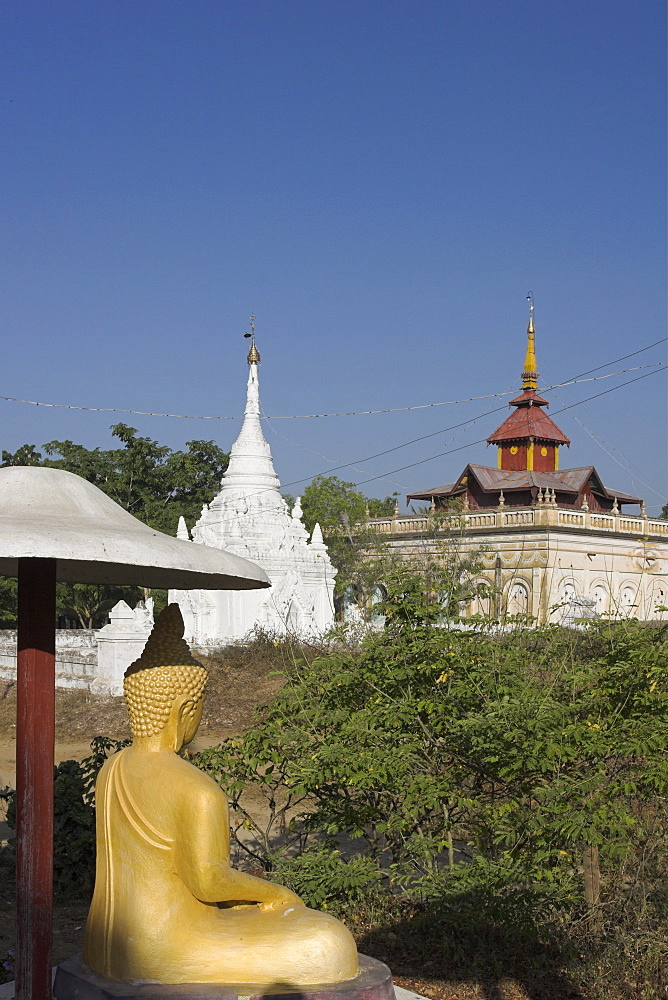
164,688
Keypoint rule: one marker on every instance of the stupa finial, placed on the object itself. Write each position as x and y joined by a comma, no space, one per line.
530,373
253,356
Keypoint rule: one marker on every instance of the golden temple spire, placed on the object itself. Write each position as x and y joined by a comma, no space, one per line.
253,356
530,373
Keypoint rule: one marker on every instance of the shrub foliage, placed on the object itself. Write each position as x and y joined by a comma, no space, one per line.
518,779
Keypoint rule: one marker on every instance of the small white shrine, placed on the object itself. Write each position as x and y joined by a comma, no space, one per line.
250,518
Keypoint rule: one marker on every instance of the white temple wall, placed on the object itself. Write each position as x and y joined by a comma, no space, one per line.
76,657
626,575
89,660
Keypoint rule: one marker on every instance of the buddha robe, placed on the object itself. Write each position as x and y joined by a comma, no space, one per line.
162,868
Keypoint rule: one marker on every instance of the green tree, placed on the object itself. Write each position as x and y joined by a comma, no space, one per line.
25,455
336,504
90,604
154,483
442,566
8,602
190,479
342,512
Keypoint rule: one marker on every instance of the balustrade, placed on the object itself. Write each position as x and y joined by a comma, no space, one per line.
470,520
605,521
571,517
479,520
518,517
630,524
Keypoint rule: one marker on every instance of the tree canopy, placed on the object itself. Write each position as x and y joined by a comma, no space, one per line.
505,785
335,504
342,512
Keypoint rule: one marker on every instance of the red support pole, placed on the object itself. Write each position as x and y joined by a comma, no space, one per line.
35,734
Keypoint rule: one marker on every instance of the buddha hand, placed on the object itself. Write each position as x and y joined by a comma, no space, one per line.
284,897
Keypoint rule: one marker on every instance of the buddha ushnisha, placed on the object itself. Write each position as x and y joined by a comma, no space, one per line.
167,906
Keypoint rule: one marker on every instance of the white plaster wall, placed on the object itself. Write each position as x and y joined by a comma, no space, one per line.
626,573
76,657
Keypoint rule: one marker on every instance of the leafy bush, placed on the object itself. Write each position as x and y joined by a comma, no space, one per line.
501,782
324,879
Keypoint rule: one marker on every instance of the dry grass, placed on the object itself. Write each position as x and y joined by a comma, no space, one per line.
239,680
79,715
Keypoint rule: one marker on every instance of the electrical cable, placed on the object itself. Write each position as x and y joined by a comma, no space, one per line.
444,430
609,449
471,443
656,366
320,416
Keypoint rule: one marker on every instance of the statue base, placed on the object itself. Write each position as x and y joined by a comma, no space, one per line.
75,982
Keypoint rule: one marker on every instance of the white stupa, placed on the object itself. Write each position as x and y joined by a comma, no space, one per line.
250,518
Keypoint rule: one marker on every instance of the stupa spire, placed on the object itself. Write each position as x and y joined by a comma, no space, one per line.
251,465
249,517
530,373
253,356
528,440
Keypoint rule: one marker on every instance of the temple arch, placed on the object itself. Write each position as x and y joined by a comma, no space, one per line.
294,618
600,594
481,605
628,600
352,612
378,595
517,598
658,599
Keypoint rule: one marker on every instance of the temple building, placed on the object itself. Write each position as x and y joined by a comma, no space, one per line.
250,518
527,470
555,544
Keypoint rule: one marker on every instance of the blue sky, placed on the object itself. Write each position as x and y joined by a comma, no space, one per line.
380,182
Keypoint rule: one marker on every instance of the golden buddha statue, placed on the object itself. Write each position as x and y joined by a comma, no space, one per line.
167,906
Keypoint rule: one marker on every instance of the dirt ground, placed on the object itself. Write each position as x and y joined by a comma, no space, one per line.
236,686
234,690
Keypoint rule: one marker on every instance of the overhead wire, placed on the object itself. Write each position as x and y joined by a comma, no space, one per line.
444,430
609,451
348,413
625,357
405,444
578,379
470,444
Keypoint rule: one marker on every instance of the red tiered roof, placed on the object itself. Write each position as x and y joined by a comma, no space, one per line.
529,421
528,442
567,481
481,485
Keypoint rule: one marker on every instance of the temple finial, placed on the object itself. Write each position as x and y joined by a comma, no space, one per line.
253,356
530,373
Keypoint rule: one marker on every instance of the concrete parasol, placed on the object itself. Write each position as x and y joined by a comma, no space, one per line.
55,526
52,514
